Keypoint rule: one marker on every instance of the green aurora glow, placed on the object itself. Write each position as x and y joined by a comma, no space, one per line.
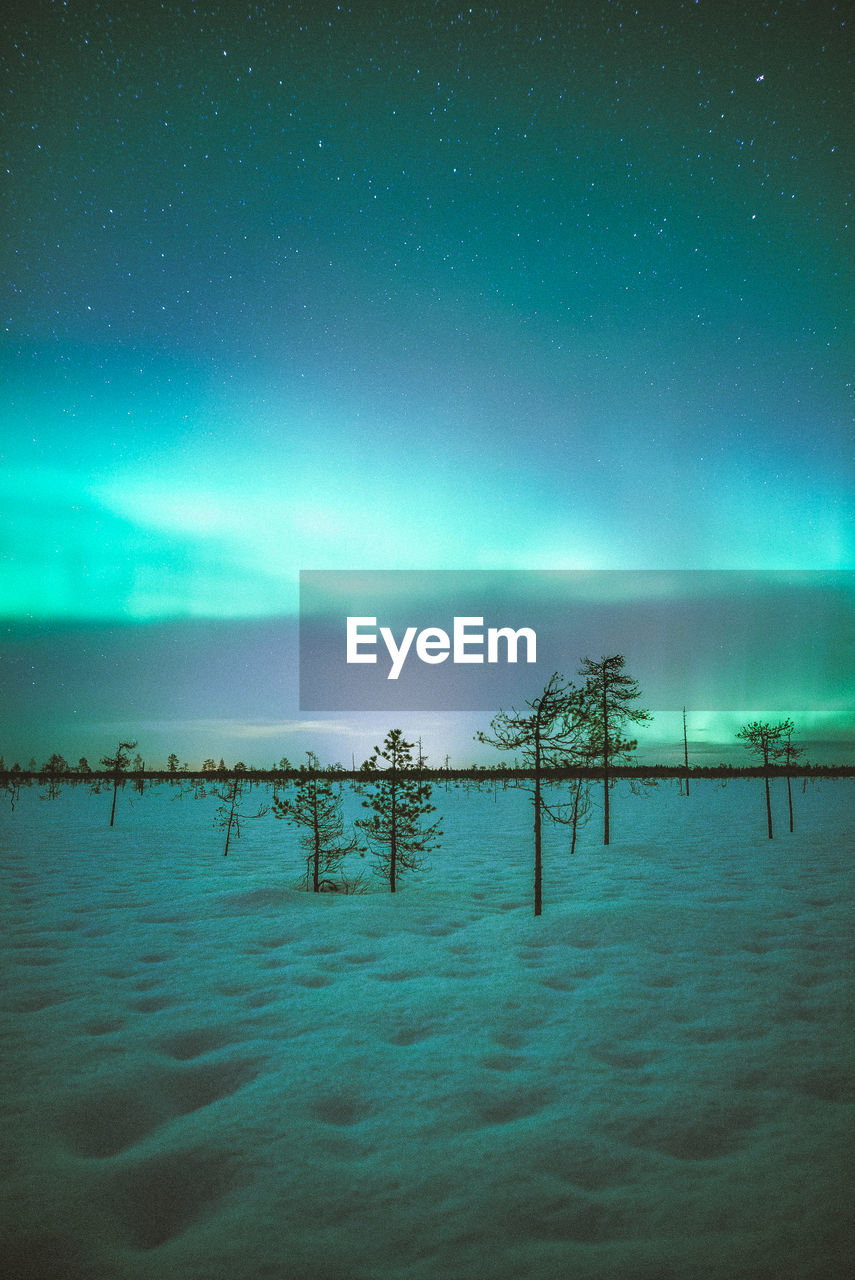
328,287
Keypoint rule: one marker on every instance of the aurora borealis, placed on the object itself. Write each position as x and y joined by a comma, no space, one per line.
418,286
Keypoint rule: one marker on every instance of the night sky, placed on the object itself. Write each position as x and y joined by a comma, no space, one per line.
404,286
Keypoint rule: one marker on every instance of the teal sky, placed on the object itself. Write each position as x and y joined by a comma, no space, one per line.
411,287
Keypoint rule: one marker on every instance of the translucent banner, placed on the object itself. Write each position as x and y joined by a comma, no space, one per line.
475,640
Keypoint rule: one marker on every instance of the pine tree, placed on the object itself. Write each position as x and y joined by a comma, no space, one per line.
117,765
317,808
764,740
551,735
53,771
56,766
400,801
609,691
789,753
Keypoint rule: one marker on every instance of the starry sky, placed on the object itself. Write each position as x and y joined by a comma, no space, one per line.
400,286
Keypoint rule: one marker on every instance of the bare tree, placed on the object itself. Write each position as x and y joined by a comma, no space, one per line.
229,816
789,753
117,765
551,734
578,810
764,739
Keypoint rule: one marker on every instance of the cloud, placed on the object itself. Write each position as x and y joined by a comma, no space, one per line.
280,730
249,730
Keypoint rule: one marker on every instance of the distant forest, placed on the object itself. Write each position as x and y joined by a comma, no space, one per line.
39,775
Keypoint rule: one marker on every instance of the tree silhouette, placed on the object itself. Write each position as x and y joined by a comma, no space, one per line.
56,766
117,765
764,739
552,734
317,808
608,692
400,801
138,767
789,753
229,816
53,772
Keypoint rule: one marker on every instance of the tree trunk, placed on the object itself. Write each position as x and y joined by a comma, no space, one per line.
686,750
231,819
576,799
317,835
605,763
790,802
393,841
115,789
538,865
768,796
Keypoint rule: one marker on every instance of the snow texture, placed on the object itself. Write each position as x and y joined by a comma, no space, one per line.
210,1074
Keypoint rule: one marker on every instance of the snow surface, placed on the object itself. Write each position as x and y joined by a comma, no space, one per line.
213,1076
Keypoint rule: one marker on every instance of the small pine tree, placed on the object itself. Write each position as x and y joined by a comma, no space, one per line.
56,766
53,772
117,765
400,801
317,809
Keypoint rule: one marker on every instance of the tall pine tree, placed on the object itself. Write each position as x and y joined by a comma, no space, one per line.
764,740
400,800
609,692
789,753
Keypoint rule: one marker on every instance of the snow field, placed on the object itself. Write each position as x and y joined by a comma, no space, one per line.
208,1073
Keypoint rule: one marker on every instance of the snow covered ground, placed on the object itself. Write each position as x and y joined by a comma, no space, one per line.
213,1076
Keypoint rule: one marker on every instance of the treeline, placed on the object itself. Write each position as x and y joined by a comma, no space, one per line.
451,773
569,743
